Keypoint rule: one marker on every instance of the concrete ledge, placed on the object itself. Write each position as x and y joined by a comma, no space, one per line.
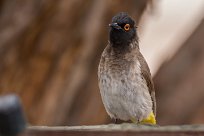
114,130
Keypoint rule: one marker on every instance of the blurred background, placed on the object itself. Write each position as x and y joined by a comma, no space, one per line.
50,50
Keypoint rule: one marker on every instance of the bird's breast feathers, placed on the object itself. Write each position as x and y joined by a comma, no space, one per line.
123,89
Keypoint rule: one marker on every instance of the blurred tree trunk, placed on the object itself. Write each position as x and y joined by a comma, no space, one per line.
49,52
179,83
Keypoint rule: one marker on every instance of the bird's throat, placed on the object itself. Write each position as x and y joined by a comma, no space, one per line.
124,47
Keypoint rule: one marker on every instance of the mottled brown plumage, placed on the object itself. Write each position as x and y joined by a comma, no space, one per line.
125,82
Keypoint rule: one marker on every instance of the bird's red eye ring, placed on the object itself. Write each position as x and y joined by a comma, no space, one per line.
127,27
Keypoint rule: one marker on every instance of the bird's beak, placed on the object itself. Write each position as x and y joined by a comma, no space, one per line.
114,25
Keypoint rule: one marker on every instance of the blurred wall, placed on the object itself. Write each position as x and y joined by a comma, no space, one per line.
179,83
49,53
50,50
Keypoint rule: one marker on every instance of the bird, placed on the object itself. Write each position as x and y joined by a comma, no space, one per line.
124,78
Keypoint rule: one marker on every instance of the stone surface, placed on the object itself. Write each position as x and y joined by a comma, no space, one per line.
120,127
113,130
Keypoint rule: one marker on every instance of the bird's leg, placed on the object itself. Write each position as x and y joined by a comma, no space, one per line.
115,121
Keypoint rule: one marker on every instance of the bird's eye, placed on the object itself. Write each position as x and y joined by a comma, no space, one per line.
127,27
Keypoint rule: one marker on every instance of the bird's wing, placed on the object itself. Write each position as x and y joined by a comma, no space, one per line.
147,76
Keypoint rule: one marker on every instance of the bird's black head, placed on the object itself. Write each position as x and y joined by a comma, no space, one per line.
122,30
